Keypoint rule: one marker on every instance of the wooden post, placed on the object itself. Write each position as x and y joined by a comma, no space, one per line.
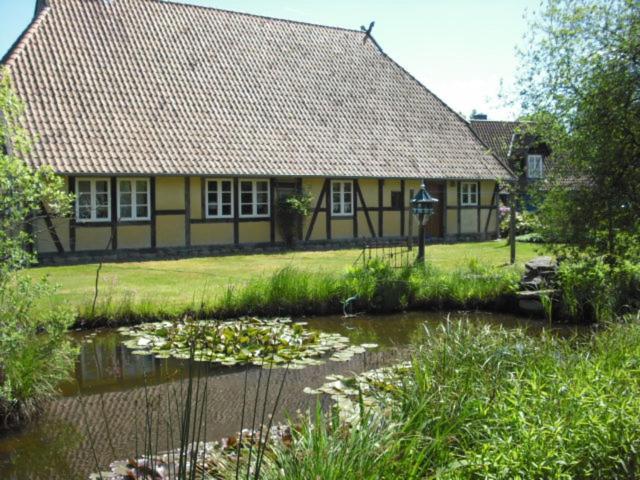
512,226
187,211
410,222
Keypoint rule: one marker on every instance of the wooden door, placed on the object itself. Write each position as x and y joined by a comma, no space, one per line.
435,225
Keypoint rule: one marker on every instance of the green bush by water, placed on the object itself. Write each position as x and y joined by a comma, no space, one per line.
35,352
594,290
485,402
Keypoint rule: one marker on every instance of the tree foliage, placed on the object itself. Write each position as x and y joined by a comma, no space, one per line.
580,84
23,190
35,353
291,212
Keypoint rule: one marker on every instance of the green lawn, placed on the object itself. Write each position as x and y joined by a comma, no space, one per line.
180,282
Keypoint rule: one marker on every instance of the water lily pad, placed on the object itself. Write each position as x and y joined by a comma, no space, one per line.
264,342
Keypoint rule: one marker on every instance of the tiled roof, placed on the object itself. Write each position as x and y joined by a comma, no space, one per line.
497,135
153,87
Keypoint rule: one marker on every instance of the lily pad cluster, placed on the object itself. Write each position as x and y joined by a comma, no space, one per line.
372,389
270,342
207,460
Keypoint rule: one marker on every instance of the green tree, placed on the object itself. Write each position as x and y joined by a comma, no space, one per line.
35,353
580,86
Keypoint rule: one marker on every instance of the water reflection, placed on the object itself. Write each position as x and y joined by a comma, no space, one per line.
113,386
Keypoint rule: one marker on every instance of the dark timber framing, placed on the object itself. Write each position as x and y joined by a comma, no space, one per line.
402,207
380,207
272,210
51,229
329,208
72,220
299,192
114,213
187,211
493,204
236,213
203,196
355,208
372,230
444,200
152,186
316,210
458,205
479,208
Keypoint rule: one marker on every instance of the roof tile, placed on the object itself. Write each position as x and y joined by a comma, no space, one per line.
151,87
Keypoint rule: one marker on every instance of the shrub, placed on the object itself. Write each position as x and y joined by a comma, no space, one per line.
35,352
291,211
526,222
594,290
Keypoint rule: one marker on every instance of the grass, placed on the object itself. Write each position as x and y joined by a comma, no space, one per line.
171,286
483,402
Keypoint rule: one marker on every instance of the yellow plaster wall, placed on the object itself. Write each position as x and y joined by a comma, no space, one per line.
196,197
44,242
212,233
452,193
255,232
363,226
469,220
170,230
486,192
92,238
314,187
391,226
390,185
319,229
342,228
451,223
369,189
170,193
134,236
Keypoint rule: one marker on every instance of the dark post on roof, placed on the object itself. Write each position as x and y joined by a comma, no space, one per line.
478,116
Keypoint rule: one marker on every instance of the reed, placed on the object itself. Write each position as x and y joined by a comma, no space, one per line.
377,287
485,402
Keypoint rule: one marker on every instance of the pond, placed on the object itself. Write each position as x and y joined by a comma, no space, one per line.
112,386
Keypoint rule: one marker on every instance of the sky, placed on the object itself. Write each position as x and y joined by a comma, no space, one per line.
462,50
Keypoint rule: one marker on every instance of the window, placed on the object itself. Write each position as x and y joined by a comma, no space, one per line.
341,198
396,200
219,199
254,198
133,199
469,194
535,166
93,200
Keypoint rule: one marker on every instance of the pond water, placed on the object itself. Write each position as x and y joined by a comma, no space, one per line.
105,405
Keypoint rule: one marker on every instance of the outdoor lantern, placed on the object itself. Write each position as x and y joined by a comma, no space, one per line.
423,206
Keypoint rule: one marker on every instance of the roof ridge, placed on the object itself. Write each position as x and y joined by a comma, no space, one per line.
40,13
458,115
255,15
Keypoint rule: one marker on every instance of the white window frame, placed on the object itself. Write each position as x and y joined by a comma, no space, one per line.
134,200
540,170
254,203
92,193
471,193
219,199
340,185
